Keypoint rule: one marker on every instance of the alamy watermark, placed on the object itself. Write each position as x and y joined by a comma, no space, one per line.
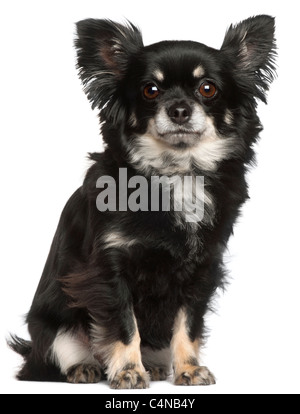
160,193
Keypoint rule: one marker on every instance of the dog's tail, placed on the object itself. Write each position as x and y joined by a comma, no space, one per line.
35,367
19,345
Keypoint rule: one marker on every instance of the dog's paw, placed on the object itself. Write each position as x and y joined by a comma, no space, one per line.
194,375
84,374
158,373
130,379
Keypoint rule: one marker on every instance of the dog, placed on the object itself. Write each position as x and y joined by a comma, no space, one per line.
124,292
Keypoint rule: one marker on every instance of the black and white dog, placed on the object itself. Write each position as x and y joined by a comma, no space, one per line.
124,291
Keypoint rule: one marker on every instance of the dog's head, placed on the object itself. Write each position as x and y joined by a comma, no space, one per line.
177,98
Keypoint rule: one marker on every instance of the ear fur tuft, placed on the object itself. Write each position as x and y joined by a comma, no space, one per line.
251,48
104,49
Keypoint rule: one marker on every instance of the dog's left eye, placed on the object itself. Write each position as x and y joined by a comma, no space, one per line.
208,90
151,91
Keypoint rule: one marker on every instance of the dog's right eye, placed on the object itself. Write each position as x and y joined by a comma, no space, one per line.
151,91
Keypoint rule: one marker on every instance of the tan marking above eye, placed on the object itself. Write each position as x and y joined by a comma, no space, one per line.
198,72
158,74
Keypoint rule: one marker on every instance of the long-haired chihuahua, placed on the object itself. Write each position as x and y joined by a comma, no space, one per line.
138,253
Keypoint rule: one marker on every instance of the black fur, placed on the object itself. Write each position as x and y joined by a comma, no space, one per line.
172,266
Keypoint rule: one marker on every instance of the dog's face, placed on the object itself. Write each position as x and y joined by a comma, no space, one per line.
179,102
179,93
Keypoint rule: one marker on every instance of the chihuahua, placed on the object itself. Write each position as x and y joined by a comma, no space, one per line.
127,282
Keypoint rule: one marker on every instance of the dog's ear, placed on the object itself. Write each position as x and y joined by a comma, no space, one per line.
251,48
104,49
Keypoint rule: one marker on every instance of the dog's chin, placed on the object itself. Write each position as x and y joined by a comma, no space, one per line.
180,140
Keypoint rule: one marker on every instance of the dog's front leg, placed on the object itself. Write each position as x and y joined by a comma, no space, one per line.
103,291
185,354
122,358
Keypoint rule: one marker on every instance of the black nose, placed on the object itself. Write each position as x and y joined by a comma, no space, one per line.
180,113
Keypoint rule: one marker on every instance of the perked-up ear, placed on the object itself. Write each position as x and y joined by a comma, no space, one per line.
104,49
251,48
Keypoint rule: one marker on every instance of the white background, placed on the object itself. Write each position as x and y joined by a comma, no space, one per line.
47,127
